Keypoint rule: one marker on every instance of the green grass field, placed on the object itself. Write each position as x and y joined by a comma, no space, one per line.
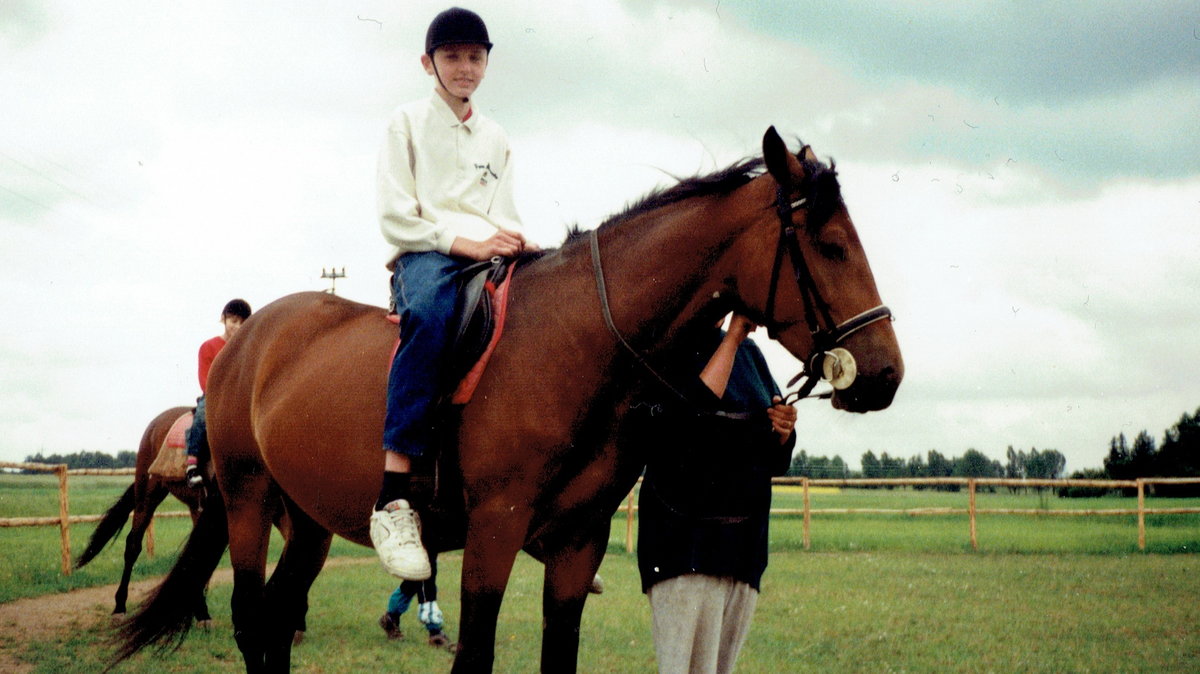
875,593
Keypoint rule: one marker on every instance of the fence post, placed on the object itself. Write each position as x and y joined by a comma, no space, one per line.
150,538
1141,487
807,514
971,507
629,521
64,518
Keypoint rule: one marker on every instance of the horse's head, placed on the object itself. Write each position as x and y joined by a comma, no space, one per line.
805,276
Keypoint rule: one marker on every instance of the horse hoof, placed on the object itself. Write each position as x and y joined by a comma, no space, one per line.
597,585
205,625
298,638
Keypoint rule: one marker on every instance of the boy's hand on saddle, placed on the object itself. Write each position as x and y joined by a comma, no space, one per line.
504,243
783,418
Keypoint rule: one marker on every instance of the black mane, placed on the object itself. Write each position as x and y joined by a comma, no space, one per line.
820,187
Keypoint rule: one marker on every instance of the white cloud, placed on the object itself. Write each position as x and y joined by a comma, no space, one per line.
1038,249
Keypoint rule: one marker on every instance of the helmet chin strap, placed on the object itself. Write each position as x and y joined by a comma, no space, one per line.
439,79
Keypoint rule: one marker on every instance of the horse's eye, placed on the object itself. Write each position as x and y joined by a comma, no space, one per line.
831,251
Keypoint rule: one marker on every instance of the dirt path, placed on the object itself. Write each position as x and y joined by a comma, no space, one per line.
41,618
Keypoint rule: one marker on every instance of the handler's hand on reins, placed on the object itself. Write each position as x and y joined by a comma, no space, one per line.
783,418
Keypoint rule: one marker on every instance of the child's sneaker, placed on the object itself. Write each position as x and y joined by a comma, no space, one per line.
396,535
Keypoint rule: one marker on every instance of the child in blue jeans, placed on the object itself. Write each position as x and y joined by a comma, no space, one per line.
445,200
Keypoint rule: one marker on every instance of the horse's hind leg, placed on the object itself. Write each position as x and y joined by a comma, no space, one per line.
249,535
303,556
146,502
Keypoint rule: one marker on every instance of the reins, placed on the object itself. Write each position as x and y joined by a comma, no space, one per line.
606,312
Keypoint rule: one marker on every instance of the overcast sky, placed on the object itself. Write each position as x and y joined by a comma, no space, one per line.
1025,178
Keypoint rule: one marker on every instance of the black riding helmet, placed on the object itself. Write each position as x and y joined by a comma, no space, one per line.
456,26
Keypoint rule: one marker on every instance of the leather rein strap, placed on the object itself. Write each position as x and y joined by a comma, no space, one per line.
606,311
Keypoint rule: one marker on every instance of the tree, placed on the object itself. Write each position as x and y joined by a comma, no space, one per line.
1180,454
837,468
871,468
1086,492
940,466
975,464
891,466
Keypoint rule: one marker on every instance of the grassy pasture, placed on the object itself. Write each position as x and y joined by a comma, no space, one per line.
875,593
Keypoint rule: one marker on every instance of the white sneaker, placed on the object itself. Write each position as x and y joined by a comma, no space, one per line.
396,535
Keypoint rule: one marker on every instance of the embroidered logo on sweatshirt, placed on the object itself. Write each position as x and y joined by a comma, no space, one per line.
486,171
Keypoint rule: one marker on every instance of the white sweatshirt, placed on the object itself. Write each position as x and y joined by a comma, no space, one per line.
441,178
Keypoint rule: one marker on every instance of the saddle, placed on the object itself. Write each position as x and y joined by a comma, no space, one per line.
482,300
171,460
478,313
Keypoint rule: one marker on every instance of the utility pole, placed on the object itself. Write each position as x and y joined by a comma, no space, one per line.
333,275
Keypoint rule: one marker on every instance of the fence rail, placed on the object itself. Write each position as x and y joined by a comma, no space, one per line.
971,510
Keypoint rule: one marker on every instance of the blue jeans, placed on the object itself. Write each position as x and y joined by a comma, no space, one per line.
197,433
425,290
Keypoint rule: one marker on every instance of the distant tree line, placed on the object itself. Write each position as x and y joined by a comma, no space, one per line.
1043,464
123,459
1177,456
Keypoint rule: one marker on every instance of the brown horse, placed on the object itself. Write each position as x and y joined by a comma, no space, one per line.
296,402
141,499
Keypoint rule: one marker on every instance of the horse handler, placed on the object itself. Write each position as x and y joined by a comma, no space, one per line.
705,501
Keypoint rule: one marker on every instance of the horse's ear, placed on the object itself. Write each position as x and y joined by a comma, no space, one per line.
777,157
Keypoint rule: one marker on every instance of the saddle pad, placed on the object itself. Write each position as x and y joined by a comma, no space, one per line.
466,387
171,461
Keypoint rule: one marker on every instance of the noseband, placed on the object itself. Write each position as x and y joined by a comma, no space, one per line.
826,335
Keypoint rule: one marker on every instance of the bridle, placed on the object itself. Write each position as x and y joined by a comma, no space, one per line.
837,365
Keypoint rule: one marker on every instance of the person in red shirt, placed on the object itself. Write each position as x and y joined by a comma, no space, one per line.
235,312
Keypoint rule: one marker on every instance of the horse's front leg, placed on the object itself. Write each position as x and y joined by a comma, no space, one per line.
569,575
494,537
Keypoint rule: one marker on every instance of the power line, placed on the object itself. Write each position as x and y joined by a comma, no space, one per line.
47,178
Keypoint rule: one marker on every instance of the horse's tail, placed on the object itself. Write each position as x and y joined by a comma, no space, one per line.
108,528
164,618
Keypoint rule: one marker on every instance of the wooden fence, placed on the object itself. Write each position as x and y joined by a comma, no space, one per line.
65,519
971,511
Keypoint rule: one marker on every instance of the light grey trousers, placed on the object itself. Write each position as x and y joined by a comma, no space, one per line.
700,623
